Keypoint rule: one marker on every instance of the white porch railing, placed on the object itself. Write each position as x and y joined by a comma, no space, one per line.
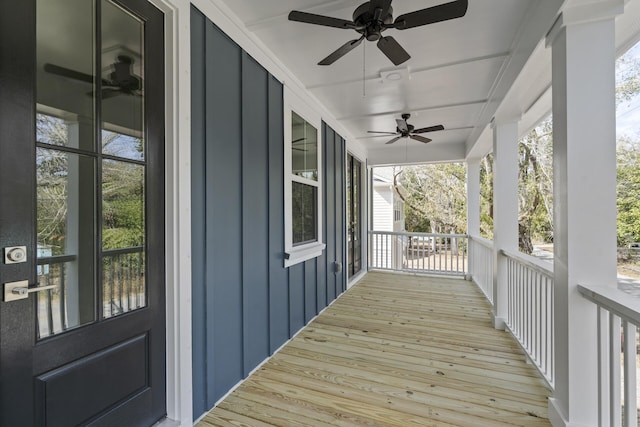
530,309
618,321
481,264
418,252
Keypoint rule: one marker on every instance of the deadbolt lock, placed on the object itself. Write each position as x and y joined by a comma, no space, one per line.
15,254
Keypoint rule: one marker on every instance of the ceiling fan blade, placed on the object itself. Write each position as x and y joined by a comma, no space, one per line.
379,5
326,21
393,140
342,51
383,133
429,129
420,138
402,125
431,15
392,49
69,73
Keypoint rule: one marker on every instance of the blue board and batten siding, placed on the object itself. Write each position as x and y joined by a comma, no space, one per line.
245,303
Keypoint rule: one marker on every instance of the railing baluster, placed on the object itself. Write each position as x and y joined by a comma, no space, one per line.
603,372
630,403
614,370
62,293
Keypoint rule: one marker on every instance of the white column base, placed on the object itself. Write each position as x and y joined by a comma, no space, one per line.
557,418
499,323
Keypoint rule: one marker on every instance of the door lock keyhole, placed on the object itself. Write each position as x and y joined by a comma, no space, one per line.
15,254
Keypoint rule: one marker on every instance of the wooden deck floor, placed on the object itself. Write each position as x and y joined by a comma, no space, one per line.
395,350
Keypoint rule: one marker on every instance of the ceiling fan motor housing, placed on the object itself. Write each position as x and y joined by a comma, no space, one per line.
367,25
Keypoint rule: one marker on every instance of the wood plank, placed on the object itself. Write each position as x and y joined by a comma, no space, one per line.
394,350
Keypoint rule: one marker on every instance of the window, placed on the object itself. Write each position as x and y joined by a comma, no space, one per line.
302,183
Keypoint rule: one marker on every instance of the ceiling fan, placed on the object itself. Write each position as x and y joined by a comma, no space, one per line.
121,80
405,130
372,18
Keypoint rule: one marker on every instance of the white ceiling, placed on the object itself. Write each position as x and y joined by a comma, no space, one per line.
459,71
462,73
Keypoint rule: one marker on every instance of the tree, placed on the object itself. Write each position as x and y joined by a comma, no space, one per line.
486,197
535,187
435,197
628,189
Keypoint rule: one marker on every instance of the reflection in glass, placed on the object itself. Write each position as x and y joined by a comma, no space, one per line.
123,237
124,281
123,83
304,148
66,240
304,213
65,72
122,205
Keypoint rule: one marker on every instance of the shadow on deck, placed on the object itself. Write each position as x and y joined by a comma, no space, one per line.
395,350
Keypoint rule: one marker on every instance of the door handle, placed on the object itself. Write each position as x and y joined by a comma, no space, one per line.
15,291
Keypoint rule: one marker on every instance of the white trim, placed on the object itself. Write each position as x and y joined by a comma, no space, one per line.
298,254
178,213
303,253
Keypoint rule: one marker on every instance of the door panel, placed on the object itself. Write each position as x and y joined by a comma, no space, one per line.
82,187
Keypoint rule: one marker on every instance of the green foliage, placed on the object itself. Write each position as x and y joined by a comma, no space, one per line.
123,205
627,78
628,189
535,187
435,197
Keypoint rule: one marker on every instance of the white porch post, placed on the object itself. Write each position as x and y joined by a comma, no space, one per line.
584,171
505,211
473,197
473,208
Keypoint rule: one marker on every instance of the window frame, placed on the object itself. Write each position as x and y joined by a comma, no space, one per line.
295,254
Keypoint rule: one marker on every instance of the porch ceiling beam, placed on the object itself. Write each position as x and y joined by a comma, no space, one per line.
417,153
536,26
411,71
413,110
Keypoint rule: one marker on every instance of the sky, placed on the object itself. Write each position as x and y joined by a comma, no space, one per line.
628,112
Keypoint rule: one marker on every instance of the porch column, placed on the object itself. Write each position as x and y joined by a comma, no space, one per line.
584,175
473,197
473,209
505,211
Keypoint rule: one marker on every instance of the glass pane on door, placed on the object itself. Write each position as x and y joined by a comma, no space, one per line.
66,242
123,166
123,237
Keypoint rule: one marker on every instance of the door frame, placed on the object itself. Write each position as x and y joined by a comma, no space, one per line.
364,219
177,223
177,55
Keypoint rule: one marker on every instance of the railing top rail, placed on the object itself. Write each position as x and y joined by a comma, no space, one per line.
56,259
482,241
123,251
614,300
542,267
408,233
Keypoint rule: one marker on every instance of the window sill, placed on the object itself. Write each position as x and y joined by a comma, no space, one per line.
303,253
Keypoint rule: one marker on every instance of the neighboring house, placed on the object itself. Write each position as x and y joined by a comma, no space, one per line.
388,207
188,162
388,215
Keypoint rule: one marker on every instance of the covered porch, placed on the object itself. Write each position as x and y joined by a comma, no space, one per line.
395,349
